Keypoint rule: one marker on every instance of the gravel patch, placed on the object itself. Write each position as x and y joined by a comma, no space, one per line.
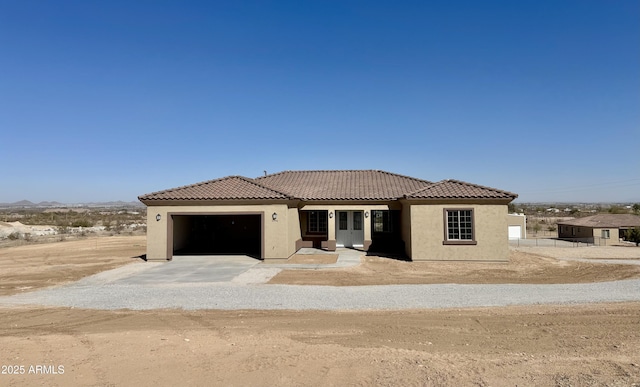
233,297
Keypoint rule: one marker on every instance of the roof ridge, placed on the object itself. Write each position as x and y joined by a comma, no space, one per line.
254,182
465,183
483,187
424,188
344,170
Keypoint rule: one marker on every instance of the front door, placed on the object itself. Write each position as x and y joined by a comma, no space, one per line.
349,229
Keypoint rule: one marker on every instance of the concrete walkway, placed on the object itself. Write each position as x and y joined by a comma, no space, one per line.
346,258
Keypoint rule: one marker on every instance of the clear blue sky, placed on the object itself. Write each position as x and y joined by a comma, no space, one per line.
108,100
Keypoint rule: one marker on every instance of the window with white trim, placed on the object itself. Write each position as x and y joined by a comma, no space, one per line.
605,234
459,227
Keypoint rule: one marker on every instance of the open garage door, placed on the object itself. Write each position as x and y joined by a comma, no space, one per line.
217,234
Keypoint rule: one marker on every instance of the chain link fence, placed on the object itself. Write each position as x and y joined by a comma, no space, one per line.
555,242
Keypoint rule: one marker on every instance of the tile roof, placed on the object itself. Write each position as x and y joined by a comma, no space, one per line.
342,185
327,185
227,188
605,220
455,189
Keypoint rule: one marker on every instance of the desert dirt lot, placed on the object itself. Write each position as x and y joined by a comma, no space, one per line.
526,266
33,266
585,345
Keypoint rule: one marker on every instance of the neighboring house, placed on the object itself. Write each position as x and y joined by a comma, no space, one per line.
517,224
605,226
273,216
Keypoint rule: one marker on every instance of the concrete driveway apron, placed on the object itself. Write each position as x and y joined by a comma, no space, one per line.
192,269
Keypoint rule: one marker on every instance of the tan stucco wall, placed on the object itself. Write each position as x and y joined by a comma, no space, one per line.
276,233
614,235
490,227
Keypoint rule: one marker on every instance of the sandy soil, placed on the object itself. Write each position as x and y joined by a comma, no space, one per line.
313,258
587,345
524,267
35,266
593,345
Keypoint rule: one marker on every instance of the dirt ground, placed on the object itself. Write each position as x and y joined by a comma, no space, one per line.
313,258
33,266
524,266
594,345
585,345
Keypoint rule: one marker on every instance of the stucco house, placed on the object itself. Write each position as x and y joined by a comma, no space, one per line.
597,227
273,216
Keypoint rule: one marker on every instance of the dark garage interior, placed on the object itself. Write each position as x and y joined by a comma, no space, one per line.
228,234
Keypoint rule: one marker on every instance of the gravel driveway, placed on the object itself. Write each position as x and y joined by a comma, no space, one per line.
91,294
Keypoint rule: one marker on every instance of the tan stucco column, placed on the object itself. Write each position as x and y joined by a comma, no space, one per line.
331,229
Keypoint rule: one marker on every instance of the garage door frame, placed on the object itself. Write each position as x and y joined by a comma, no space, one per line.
170,226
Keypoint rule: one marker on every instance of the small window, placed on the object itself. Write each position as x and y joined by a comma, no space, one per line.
459,228
605,234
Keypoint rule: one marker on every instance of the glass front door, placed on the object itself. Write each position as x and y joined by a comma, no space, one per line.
349,229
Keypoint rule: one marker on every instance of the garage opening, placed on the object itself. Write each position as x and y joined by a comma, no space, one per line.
228,234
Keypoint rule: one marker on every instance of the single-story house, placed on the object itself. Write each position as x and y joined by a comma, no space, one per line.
604,226
273,216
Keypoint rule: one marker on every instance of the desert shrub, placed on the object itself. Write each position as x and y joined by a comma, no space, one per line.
617,210
63,229
551,228
633,235
82,223
14,235
118,227
537,227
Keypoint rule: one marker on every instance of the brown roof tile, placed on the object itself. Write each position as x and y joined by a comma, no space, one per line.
455,189
342,185
327,185
605,220
227,188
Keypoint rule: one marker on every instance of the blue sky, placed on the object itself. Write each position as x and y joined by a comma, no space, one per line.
108,100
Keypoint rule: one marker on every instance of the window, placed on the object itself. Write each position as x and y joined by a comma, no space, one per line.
382,221
342,220
357,221
605,234
317,221
459,226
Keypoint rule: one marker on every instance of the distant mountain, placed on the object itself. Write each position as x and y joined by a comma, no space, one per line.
22,203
